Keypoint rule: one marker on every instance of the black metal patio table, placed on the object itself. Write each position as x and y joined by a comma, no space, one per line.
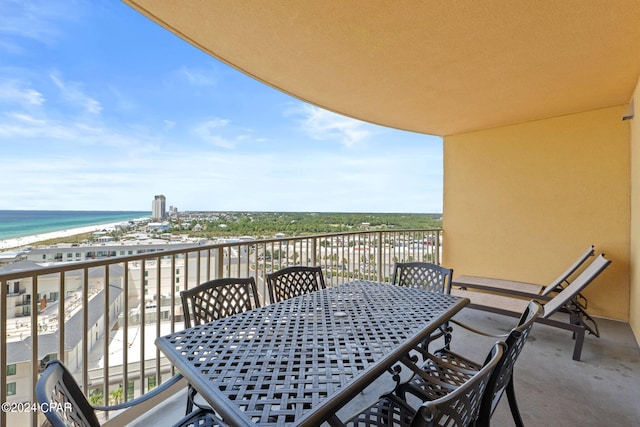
298,361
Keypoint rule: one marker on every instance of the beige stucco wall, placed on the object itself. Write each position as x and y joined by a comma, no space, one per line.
634,318
522,202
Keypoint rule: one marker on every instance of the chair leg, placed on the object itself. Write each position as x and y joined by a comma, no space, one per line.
577,347
448,331
191,394
513,404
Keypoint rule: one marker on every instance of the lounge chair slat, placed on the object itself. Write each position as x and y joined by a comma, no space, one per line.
561,280
488,283
492,300
578,284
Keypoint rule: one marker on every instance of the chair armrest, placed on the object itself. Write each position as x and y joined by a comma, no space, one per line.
477,331
442,366
156,391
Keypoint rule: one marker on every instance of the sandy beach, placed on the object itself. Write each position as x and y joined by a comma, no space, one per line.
29,240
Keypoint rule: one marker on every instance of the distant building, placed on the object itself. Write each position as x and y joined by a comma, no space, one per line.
158,226
19,342
159,208
76,253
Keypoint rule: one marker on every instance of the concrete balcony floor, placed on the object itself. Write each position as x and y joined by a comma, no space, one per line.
552,389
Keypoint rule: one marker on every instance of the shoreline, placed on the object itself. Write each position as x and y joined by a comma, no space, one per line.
18,242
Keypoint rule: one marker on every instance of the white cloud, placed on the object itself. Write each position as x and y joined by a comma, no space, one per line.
195,179
322,125
21,125
168,124
36,20
122,102
210,131
72,93
43,133
197,76
216,123
14,91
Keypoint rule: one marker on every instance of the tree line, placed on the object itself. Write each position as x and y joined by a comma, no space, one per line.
267,224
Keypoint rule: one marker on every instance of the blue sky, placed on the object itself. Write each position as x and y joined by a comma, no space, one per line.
101,109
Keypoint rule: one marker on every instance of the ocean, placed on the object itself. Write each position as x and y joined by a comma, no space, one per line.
15,223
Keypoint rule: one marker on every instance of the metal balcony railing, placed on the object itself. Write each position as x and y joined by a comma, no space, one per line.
109,311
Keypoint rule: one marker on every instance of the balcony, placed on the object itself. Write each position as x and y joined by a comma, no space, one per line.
131,300
541,153
111,345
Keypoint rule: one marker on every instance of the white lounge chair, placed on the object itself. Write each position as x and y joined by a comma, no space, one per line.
579,321
524,289
528,291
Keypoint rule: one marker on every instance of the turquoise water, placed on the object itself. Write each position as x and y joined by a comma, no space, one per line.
26,223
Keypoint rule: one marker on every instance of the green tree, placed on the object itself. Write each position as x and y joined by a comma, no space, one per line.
116,396
96,397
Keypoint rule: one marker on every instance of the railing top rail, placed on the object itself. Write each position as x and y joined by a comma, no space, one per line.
166,252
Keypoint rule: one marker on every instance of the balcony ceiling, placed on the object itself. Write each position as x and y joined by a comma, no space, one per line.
435,67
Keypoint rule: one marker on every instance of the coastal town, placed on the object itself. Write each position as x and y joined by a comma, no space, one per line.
172,227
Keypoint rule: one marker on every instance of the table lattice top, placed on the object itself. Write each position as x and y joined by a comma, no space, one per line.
278,364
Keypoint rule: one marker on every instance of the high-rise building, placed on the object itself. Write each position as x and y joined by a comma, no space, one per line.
158,208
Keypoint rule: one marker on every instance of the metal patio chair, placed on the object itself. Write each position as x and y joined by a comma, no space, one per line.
457,405
218,298
422,275
64,404
430,388
428,277
214,300
293,281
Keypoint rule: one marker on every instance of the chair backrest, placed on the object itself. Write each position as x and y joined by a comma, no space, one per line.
460,407
503,372
563,280
65,404
218,298
290,282
579,283
423,275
